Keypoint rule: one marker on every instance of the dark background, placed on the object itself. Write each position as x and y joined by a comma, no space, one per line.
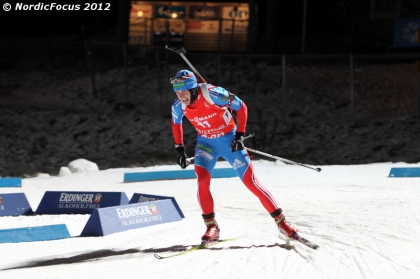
50,114
332,26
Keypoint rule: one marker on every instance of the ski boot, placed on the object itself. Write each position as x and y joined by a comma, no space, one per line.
284,226
212,232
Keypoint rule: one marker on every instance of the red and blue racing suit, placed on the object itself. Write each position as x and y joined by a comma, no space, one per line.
216,130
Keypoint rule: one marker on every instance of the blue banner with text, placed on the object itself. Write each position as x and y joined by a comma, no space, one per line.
105,221
79,202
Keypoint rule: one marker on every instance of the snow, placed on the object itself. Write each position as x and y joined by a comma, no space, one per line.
366,223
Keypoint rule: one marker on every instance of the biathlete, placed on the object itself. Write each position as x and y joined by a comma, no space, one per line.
207,108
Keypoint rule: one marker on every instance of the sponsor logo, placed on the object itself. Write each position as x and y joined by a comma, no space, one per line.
78,205
200,146
211,131
204,154
79,201
154,209
98,198
200,119
138,214
146,199
237,164
174,114
127,213
87,198
1,200
235,102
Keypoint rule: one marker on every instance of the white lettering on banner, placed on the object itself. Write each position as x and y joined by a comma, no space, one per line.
146,199
134,221
1,207
125,213
140,220
155,218
76,198
78,205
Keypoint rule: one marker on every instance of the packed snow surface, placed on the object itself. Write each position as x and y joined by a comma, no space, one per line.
366,223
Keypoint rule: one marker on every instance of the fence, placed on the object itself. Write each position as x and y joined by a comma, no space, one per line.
346,88
226,35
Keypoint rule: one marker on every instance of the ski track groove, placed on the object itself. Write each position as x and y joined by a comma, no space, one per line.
356,263
391,263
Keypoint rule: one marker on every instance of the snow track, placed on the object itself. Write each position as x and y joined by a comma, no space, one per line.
366,224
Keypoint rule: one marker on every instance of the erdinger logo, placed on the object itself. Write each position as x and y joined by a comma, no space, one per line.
97,198
1,200
154,209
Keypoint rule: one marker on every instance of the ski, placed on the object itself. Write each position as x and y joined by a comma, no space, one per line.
304,241
203,245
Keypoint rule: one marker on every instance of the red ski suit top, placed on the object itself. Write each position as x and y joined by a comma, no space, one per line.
214,124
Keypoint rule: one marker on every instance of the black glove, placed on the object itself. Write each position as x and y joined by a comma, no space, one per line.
238,142
181,156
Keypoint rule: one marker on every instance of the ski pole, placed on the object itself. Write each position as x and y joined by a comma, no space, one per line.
281,159
190,160
181,51
275,157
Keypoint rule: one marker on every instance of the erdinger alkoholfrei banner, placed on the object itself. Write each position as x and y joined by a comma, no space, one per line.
79,202
104,221
140,198
14,204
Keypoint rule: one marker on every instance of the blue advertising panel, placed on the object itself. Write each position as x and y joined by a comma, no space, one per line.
79,202
105,221
14,204
29,234
204,12
139,198
174,12
175,174
11,182
404,172
405,31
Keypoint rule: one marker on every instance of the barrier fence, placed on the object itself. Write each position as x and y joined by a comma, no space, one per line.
349,88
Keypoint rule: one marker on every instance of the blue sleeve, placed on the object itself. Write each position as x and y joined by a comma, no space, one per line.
177,113
221,97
